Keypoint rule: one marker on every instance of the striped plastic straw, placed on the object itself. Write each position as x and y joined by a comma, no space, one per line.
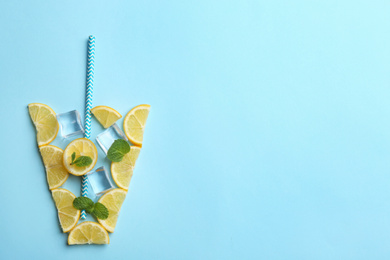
88,106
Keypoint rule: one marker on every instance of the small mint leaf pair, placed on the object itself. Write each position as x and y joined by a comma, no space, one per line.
97,209
81,161
118,150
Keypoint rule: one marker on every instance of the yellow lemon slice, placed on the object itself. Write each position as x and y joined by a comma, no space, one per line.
88,232
45,121
113,201
134,123
56,174
82,147
67,214
123,171
106,116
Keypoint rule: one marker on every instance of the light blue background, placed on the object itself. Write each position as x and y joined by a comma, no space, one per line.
268,136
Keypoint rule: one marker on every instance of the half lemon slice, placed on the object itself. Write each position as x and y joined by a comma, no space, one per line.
67,214
123,171
56,174
113,201
134,124
88,232
45,121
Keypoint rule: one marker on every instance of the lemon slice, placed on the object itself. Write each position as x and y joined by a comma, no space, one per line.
123,171
113,201
45,121
82,147
106,116
134,123
56,174
88,232
67,214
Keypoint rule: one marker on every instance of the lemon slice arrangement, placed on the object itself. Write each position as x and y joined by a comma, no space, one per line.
78,158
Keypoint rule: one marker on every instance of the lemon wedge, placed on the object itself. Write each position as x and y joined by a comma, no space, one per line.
106,116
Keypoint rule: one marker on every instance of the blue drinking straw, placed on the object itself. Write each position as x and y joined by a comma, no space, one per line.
88,107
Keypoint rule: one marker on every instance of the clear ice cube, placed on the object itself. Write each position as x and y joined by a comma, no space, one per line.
70,123
106,138
99,181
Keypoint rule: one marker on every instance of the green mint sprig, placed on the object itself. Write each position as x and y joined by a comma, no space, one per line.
81,161
97,209
117,150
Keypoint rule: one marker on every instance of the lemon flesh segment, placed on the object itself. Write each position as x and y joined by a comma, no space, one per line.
106,116
134,123
82,147
123,171
67,214
56,174
45,122
113,201
88,232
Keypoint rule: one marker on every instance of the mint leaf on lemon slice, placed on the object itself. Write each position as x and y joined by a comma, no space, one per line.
81,161
100,211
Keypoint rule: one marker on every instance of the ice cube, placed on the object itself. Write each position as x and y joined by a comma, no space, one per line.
70,123
100,181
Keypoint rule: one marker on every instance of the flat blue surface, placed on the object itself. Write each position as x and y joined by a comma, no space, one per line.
268,136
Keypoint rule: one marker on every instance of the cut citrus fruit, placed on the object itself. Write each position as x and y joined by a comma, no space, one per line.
82,147
106,116
56,174
134,123
113,201
88,232
123,171
45,121
67,214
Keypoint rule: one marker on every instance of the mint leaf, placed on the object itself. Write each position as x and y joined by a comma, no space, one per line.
100,211
117,150
73,156
97,209
83,203
82,161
